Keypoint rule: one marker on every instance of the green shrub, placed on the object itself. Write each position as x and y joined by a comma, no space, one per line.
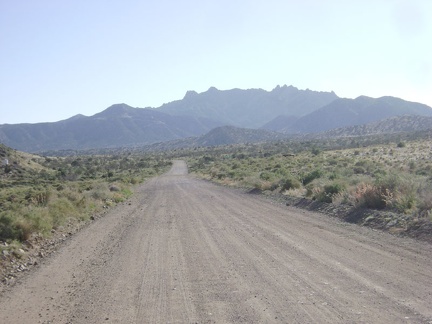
399,191
379,173
333,176
326,195
100,192
266,176
60,210
312,176
289,183
221,175
405,203
20,225
315,151
359,170
39,220
333,162
8,230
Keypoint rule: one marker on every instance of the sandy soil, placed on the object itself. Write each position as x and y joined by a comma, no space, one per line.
187,251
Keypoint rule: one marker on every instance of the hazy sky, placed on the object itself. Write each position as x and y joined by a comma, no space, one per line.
62,58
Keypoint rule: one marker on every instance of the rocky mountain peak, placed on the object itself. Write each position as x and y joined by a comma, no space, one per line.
116,110
190,94
212,89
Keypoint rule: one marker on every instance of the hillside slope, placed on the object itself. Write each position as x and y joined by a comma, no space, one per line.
397,124
228,135
280,123
119,125
17,166
350,112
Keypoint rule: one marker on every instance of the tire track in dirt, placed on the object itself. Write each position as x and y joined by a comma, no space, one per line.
363,268
186,251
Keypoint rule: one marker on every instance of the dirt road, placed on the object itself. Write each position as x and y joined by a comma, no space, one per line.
186,251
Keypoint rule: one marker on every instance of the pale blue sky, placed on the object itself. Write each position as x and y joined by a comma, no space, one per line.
62,58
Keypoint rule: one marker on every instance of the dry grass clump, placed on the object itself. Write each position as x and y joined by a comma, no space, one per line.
369,195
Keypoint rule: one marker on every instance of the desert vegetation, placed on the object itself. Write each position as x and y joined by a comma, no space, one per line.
42,195
395,176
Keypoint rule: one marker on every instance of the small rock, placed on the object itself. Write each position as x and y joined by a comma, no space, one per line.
369,218
392,223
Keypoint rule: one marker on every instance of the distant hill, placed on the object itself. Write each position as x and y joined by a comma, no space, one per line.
397,124
228,135
18,165
250,108
119,125
225,135
350,112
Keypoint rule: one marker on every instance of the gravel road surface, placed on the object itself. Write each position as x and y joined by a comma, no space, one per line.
187,251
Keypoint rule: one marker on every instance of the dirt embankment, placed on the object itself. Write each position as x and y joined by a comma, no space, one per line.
186,251
386,221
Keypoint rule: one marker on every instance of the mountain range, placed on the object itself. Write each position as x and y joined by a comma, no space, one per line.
257,114
250,108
